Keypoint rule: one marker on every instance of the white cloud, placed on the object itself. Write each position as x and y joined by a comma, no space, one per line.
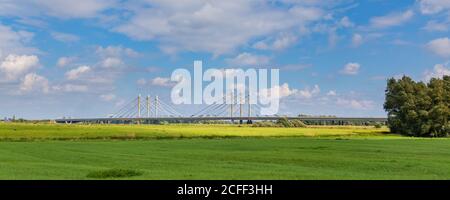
390,20
112,62
65,37
433,26
64,61
162,82
355,104
433,6
285,91
440,46
70,88
357,40
215,26
279,43
438,71
78,9
15,66
15,42
107,97
346,23
351,69
76,73
308,93
115,51
55,8
248,59
33,82
331,93
279,91
141,82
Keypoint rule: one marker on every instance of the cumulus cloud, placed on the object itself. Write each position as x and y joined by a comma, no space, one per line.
15,66
438,71
278,91
345,22
390,20
162,82
215,26
279,43
248,59
15,42
64,61
357,40
111,62
440,46
433,6
351,69
76,73
308,93
33,82
283,90
55,8
331,93
115,51
355,104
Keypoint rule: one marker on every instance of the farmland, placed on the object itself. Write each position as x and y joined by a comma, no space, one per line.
48,151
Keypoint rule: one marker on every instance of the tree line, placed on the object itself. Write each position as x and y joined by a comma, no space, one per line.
417,108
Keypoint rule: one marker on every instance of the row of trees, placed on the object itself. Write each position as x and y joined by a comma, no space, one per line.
418,108
283,122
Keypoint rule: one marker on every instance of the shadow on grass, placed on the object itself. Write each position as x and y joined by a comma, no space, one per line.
113,173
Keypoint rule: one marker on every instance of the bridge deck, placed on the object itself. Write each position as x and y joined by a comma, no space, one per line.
193,119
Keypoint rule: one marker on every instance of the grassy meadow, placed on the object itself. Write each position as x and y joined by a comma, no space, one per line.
49,151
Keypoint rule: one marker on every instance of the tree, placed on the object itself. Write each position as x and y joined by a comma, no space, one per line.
418,109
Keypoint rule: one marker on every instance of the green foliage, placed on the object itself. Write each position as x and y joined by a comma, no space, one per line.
418,109
298,124
163,122
284,122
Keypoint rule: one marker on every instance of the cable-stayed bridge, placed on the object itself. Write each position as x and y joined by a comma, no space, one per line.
143,110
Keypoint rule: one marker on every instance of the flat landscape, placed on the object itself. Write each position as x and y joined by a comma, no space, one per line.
49,151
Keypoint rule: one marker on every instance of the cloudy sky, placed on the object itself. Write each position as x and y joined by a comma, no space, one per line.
86,58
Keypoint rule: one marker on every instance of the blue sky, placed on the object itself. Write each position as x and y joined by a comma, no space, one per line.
86,58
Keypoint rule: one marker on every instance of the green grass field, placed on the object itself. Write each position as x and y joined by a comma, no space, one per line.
30,151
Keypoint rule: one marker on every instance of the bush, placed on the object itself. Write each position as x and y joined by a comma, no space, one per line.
284,122
163,123
298,124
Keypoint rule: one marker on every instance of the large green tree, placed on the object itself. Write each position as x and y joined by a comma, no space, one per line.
418,108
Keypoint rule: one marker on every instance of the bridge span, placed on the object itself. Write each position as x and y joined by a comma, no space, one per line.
232,119
154,110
